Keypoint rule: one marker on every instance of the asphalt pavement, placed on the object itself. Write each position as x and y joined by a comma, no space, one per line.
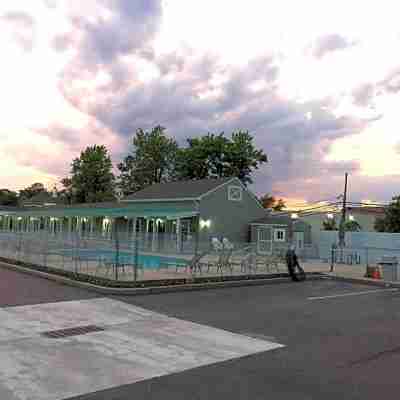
340,340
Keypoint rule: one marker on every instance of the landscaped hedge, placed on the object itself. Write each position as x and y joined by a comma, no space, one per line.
105,282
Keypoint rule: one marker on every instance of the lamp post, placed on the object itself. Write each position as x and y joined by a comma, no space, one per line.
292,220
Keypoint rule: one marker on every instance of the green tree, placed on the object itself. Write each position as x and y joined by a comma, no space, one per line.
390,222
32,190
204,157
91,179
329,225
153,160
352,226
269,201
243,157
8,197
66,194
218,156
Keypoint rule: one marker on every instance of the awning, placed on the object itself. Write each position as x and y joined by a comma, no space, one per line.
134,210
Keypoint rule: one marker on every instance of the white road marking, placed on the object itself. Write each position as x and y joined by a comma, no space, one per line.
137,344
333,296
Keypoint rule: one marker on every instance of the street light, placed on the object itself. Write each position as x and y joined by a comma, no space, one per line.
292,219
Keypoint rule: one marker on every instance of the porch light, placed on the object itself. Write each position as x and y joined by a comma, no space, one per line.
159,221
19,218
205,223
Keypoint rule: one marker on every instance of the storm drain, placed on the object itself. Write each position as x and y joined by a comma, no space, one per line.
78,330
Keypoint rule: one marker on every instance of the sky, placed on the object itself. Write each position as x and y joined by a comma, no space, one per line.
316,83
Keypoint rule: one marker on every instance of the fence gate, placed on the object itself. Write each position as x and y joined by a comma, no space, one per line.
264,240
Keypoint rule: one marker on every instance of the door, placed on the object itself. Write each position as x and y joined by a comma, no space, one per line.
264,240
299,240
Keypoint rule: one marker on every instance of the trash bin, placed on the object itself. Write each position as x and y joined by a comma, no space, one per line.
390,268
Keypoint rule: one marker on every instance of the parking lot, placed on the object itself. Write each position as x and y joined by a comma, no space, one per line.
319,339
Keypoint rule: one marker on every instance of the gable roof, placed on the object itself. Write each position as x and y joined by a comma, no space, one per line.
177,191
278,219
41,199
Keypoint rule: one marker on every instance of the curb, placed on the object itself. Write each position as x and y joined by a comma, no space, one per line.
364,281
152,289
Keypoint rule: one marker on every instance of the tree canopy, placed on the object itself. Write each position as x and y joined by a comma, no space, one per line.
153,160
91,178
32,190
329,225
349,225
8,197
390,222
269,201
218,156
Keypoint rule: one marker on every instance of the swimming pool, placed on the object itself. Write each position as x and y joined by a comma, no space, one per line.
147,261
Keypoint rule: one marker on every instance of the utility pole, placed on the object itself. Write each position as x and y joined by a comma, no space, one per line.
343,219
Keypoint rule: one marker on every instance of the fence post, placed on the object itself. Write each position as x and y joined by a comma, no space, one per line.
332,257
366,257
76,252
116,249
136,259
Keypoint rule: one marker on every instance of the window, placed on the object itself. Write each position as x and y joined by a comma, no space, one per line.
279,235
234,193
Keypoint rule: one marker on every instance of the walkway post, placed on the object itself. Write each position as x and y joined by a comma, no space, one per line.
178,235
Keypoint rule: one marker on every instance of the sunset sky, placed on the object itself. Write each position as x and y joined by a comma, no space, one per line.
316,82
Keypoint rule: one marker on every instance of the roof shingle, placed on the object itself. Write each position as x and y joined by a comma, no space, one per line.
177,190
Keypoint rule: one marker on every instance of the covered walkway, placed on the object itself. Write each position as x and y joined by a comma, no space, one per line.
160,222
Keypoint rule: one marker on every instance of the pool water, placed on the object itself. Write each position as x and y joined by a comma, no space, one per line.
147,261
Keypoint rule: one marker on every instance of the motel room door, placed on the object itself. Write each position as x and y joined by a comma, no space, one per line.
299,240
264,240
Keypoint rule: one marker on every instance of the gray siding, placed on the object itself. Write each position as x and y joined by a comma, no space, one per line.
229,218
278,247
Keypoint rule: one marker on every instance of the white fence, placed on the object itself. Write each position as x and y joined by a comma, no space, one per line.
367,247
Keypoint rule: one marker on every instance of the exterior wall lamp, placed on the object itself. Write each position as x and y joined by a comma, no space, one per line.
205,223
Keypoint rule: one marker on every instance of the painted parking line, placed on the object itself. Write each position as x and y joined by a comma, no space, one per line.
334,296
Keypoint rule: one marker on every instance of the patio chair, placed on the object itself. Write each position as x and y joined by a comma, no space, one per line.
193,265
227,244
216,244
225,261
249,263
269,262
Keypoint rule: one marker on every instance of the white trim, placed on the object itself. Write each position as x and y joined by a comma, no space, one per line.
241,184
258,223
230,198
276,232
250,193
216,188
259,242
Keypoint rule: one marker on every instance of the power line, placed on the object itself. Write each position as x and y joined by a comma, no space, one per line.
369,204
286,213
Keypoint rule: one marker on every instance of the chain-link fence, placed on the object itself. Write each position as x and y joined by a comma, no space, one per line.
127,256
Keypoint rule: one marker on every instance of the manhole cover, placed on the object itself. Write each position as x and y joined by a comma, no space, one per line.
78,330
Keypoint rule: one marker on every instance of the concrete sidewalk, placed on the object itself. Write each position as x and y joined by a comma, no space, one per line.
353,272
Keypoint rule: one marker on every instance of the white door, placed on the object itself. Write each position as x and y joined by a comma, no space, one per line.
299,240
264,242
